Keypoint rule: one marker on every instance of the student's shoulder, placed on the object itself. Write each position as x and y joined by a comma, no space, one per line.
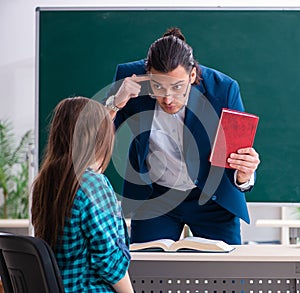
94,180
94,186
95,197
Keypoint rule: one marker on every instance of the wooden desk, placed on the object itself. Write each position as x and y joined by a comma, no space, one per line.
249,268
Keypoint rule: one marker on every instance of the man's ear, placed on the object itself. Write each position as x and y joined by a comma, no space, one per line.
193,75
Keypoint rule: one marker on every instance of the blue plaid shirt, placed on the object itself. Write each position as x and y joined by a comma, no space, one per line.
94,251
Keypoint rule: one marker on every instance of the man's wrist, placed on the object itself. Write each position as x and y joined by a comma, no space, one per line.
110,104
246,185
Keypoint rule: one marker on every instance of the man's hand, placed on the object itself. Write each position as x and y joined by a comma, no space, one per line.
130,88
245,161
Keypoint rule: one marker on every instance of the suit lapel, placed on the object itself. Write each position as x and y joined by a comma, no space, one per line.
145,122
201,122
193,113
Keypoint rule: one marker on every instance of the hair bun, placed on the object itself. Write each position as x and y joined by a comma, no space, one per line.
176,32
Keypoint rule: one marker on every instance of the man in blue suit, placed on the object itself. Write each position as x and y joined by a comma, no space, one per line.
172,106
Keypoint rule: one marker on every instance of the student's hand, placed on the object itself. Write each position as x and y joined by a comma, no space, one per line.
130,88
245,161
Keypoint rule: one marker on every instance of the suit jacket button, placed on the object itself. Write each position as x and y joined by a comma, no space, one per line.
214,197
196,182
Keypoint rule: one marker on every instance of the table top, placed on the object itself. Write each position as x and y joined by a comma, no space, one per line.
278,223
249,253
14,223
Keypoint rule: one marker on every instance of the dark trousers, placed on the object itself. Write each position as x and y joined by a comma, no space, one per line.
164,216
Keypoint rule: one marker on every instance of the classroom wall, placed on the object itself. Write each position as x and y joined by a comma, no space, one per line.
17,69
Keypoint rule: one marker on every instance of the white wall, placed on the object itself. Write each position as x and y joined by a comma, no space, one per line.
17,66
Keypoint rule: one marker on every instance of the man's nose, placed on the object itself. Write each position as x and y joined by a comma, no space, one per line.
168,99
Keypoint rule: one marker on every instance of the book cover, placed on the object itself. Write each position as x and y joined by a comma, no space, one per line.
187,244
235,130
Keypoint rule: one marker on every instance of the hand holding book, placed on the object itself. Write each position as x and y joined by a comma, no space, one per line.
245,161
232,147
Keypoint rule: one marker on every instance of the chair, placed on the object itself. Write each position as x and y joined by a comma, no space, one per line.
28,265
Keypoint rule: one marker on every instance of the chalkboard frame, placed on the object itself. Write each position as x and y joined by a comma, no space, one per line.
287,200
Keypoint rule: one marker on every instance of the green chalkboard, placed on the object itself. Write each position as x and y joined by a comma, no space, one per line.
78,50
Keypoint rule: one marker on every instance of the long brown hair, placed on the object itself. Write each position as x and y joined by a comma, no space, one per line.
81,133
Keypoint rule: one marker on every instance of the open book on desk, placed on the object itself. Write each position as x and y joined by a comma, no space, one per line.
188,244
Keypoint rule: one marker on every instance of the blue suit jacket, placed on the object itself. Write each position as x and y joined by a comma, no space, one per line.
206,101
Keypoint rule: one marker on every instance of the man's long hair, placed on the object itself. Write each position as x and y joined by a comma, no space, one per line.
170,51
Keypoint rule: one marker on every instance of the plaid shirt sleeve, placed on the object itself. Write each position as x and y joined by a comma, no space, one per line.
102,224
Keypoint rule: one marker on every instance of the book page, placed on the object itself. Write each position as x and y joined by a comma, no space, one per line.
201,240
157,245
201,244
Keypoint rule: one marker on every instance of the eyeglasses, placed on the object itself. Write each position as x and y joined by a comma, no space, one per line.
178,90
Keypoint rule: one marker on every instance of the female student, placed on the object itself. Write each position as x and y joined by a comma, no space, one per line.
74,207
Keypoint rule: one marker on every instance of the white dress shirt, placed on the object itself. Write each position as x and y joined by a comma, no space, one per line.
165,159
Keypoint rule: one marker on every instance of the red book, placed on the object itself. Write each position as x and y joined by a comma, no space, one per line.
236,130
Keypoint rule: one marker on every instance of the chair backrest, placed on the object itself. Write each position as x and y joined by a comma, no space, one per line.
28,265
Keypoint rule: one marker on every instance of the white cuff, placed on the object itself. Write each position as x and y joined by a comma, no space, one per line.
244,186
